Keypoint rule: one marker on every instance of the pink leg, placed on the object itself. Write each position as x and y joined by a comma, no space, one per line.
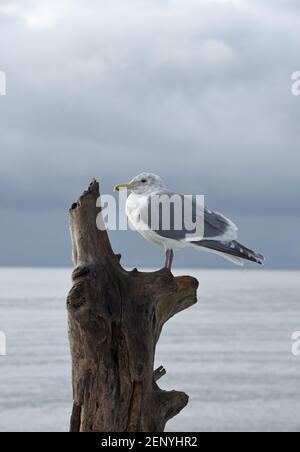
169,259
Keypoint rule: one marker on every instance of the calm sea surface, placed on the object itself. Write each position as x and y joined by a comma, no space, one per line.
231,352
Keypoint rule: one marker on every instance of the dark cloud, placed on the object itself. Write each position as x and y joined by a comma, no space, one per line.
198,92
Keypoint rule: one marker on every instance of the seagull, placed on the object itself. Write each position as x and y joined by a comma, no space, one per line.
218,233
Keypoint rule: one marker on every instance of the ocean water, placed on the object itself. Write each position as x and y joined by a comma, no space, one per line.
231,352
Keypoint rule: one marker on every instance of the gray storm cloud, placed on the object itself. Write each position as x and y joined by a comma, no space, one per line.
199,92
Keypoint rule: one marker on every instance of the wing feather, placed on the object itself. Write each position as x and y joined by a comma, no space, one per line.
216,226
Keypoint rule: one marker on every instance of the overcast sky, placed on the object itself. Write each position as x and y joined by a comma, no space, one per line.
196,91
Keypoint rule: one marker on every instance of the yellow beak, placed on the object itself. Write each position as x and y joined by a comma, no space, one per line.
121,187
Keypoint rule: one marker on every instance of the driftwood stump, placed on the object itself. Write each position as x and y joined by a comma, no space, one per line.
115,320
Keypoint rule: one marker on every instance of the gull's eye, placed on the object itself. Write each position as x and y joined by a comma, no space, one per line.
143,181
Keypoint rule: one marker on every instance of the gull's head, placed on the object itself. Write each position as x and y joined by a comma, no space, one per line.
143,184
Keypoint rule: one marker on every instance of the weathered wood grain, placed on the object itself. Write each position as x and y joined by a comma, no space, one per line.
115,320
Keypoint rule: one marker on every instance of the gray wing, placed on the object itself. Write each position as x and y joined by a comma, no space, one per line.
218,227
214,226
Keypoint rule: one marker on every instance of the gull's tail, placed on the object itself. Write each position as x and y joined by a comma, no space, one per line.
233,251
